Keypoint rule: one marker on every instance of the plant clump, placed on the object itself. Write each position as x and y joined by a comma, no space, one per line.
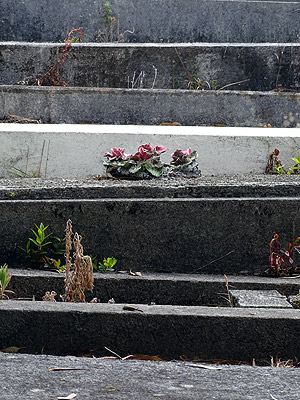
274,165
111,32
5,278
52,76
144,164
282,262
79,268
44,249
184,163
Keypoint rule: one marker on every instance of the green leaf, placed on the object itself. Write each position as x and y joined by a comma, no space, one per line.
156,172
135,168
33,241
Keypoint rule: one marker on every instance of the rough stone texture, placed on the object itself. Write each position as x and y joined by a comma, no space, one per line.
170,331
152,107
235,186
194,218
29,377
259,298
159,21
264,66
160,288
72,151
213,235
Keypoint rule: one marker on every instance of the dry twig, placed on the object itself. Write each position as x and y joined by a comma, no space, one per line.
79,268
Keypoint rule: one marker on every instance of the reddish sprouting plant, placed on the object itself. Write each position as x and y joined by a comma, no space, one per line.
144,164
117,155
52,77
145,151
180,156
282,262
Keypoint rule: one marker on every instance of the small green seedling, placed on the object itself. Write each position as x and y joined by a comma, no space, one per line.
108,264
44,248
4,281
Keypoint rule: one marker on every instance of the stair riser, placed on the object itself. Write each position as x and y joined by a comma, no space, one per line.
78,151
148,107
265,67
168,331
159,21
172,235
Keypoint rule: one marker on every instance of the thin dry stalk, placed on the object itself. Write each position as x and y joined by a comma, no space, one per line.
229,298
79,268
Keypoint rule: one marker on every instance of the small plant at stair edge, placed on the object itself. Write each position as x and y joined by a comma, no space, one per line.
111,27
184,163
4,281
44,249
274,165
282,262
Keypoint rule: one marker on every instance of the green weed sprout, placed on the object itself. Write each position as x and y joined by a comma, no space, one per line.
4,281
108,264
44,248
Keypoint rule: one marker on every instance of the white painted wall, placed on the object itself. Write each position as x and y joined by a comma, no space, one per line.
76,151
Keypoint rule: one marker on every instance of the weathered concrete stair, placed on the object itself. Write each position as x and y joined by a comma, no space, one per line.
77,151
164,328
100,88
154,21
179,226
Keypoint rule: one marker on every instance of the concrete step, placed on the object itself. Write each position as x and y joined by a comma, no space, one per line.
151,107
169,331
236,66
32,378
179,324
77,151
159,288
159,21
186,234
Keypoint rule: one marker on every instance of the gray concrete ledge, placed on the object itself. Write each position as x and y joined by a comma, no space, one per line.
263,66
77,151
170,331
151,107
159,21
28,377
238,186
160,288
210,235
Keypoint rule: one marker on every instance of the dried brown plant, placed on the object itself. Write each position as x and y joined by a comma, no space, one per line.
79,268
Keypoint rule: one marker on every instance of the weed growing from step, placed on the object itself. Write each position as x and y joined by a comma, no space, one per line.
79,268
44,249
4,281
111,27
282,262
274,165
52,76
